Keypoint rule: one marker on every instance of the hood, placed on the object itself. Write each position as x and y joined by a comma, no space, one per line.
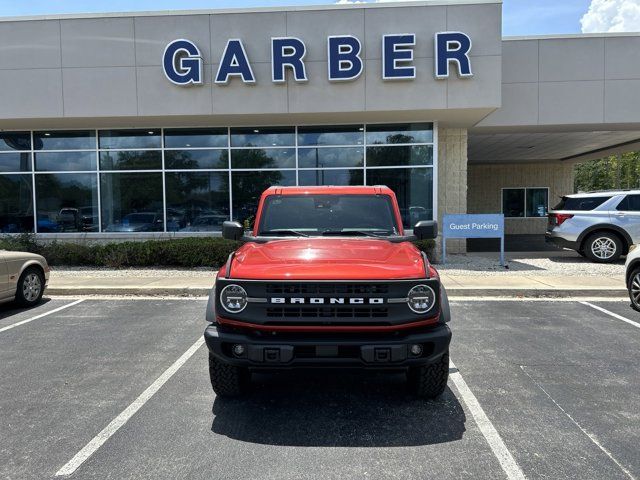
328,259
9,256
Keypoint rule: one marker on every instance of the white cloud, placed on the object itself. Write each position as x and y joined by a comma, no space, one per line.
612,16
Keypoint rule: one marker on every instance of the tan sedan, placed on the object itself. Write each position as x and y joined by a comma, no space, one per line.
23,277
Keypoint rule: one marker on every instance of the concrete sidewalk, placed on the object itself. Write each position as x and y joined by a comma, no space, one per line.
511,285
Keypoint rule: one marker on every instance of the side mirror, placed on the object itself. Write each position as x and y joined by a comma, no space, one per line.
426,229
232,230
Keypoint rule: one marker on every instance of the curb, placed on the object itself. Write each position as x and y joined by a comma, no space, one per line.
452,292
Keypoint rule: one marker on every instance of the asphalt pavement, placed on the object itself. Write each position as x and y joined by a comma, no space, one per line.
118,388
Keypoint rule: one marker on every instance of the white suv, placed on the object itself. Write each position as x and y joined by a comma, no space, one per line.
598,225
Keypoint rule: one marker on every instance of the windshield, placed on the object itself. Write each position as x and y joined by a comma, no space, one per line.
307,215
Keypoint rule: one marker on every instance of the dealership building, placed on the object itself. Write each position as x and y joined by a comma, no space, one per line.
153,124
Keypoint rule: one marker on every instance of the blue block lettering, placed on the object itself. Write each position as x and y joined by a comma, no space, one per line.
343,58
452,47
287,52
397,54
234,63
182,63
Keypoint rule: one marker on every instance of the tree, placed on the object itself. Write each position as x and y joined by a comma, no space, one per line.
610,173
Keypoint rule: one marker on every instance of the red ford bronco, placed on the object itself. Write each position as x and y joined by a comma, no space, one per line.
327,278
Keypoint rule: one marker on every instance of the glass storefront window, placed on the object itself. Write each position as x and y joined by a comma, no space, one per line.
197,201
131,202
16,203
204,170
64,140
263,158
331,177
195,138
525,202
537,202
15,162
67,202
331,135
133,160
328,157
513,202
247,188
413,188
405,155
263,137
194,159
10,141
64,161
396,133
130,139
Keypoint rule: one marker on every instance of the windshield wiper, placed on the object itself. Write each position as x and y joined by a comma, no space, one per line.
284,231
353,233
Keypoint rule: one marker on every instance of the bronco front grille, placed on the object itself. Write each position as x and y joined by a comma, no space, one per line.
327,288
327,312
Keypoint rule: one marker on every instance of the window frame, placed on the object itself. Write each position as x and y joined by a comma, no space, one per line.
525,216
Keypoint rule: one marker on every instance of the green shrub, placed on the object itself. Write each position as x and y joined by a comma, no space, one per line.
182,252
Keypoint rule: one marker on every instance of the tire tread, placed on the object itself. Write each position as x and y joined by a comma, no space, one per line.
429,381
227,380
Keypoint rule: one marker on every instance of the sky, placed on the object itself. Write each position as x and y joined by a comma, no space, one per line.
520,17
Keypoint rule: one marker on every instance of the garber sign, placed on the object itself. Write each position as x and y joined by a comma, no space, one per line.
182,61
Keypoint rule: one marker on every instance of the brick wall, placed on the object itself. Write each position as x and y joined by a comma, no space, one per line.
452,179
486,181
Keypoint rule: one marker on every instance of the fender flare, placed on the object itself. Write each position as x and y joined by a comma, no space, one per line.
445,309
210,314
605,226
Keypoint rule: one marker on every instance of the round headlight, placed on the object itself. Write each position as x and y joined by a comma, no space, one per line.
421,298
233,298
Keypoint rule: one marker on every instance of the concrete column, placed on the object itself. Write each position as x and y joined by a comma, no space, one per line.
452,180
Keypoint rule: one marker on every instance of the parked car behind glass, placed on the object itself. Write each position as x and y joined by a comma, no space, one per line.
138,222
598,225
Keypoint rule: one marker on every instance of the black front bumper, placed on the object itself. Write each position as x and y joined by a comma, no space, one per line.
379,352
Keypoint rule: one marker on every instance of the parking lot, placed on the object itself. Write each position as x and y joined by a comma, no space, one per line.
119,388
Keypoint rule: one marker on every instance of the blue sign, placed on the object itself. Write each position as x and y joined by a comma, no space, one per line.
183,64
473,226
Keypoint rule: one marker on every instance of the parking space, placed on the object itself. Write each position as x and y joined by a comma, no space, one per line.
557,381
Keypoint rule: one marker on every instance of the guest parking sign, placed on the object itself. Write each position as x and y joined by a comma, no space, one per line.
473,226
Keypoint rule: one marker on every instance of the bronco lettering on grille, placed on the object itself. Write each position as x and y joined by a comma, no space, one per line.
330,300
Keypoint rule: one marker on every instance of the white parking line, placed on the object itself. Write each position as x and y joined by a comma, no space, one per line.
17,324
491,435
611,314
591,436
108,431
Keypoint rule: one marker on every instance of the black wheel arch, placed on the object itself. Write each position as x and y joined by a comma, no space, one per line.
630,269
445,309
608,228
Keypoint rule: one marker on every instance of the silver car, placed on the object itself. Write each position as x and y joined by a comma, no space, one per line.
598,225
23,277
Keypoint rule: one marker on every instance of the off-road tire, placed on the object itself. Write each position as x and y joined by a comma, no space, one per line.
227,380
429,381
23,300
611,239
